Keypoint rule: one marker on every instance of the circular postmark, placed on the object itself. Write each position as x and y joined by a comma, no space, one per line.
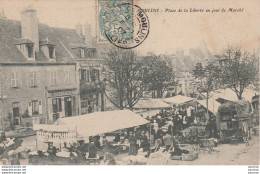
131,28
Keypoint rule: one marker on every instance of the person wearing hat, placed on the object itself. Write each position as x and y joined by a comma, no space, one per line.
159,121
52,150
133,145
117,138
91,149
155,126
144,142
105,144
80,149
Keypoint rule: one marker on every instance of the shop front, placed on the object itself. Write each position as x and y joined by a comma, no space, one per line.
61,103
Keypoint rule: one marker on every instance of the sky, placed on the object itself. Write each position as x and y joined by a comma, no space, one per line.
169,31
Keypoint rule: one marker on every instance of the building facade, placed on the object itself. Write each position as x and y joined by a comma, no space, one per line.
38,72
90,69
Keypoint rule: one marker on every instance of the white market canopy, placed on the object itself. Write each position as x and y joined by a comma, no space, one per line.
179,99
212,105
148,113
230,95
103,122
151,103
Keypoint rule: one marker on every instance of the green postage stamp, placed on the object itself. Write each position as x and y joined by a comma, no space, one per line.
115,17
121,23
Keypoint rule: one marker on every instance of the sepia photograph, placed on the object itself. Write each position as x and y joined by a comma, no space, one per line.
129,82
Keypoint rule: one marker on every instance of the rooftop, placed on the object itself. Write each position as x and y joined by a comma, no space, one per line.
63,39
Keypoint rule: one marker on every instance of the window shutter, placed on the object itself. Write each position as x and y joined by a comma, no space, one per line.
14,79
80,74
51,73
88,76
34,79
30,108
55,77
31,78
40,107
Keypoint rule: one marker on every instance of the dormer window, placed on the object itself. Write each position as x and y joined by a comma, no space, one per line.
26,47
91,52
51,52
30,50
82,52
48,49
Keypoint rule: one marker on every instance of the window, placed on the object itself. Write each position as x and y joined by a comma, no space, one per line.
56,105
51,52
82,52
30,50
91,52
85,75
34,107
94,74
67,76
84,104
53,77
32,79
14,80
15,106
87,79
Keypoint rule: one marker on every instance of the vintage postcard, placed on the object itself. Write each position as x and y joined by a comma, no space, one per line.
129,82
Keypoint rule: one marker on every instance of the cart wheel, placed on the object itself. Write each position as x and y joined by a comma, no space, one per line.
245,131
222,136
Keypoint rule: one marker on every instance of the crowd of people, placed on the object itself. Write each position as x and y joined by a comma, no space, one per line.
163,130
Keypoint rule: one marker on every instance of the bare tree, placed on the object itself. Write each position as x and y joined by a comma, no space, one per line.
158,74
208,78
239,70
124,76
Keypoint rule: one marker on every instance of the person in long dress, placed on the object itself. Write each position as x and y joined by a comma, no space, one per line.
133,145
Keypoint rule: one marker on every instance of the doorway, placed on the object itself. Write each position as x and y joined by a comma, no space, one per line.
68,106
16,113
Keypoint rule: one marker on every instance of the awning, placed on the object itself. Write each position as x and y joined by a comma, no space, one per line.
179,99
230,95
212,105
150,103
103,122
148,113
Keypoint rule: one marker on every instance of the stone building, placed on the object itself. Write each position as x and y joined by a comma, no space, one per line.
90,67
39,80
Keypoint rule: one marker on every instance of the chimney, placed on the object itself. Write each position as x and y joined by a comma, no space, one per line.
79,29
29,24
88,34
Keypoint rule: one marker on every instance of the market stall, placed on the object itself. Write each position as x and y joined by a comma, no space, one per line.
102,122
68,136
50,136
58,134
151,103
179,100
148,107
212,105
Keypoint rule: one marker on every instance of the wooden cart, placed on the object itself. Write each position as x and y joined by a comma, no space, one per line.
235,121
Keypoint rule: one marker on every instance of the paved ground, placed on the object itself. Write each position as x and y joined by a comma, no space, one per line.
227,155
